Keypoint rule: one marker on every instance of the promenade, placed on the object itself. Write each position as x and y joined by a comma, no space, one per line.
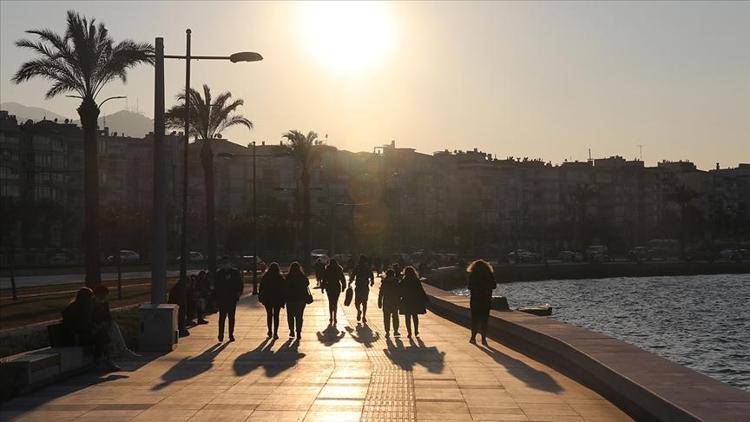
348,373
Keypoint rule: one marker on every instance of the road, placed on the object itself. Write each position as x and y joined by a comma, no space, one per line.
45,280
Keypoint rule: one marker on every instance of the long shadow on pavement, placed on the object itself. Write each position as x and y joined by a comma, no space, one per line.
532,377
272,362
191,366
330,336
406,357
363,334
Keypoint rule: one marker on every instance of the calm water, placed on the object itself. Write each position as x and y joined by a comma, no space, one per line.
702,322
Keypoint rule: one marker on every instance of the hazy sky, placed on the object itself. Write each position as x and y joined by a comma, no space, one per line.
534,79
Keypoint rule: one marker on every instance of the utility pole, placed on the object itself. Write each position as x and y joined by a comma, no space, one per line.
158,256
255,224
640,151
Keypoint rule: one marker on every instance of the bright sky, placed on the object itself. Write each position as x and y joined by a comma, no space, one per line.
534,79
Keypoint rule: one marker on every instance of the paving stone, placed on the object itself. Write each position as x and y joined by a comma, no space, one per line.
350,373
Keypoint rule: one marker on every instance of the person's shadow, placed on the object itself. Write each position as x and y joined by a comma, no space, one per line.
273,362
532,377
363,334
330,336
407,357
191,366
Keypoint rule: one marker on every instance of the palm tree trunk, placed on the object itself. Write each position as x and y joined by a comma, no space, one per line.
306,216
207,159
89,114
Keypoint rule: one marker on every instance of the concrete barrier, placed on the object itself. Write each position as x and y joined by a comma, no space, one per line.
448,278
642,384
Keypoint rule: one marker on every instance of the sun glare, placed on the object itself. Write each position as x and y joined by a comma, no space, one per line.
347,35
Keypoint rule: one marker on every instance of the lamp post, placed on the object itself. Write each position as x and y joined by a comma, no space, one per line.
158,288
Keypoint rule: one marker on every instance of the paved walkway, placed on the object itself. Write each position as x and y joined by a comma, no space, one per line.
351,372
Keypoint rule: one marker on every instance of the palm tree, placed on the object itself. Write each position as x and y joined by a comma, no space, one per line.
207,120
682,196
81,62
302,149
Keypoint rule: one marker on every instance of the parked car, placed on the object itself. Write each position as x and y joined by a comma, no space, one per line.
734,254
193,256
126,257
523,256
597,253
639,253
247,264
570,256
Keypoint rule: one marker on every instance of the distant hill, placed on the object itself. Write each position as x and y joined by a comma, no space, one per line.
24,113
123,121
127,122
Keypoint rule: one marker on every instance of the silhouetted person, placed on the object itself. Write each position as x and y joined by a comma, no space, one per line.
102,321
413,300
481,284
362,278
297,291
271,295
319,269
178,296
227,290
389,299
333,284
77,319
102,318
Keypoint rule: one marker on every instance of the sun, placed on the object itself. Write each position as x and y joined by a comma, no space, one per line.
347,35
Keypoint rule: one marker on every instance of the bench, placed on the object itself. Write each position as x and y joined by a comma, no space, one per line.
35,368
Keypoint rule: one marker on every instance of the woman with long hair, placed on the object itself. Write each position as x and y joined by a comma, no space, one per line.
333,284
78,320
481,284
297,292
271,295
413,300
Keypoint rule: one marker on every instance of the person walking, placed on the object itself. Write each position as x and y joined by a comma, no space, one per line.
389,300
271,295
297,296
413,300
319,270
334,282
227,289
363,279
481,284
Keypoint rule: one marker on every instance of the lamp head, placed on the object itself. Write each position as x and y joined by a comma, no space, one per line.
245,56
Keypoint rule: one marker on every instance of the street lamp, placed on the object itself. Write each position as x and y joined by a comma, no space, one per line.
254,155
158,290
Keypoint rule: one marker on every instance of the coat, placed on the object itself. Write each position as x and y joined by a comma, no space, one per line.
413,297
296,288
272,290
362,277
228,286
481,285
334,280
389,297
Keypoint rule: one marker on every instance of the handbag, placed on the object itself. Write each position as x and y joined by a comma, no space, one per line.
309,297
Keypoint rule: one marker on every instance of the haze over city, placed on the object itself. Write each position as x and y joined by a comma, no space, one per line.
537,80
